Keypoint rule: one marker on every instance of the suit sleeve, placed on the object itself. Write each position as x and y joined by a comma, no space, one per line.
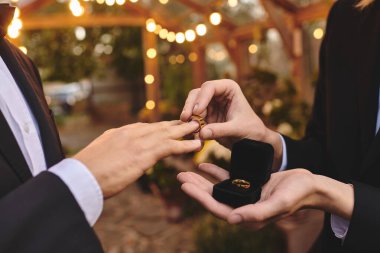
363,231
43,216
308,153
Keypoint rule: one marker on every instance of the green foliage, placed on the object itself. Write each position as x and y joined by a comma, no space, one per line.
277,103
216,236
165,177
61,57
264,77
176,82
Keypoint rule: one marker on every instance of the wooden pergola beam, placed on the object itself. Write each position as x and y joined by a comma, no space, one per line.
168,24
313,12
63,21
286,5
26,10
207,10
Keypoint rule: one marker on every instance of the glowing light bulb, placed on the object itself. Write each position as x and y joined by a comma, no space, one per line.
201,29
232,3
149,79
163,34
151,25
318,33
180,58
110,2
171,37
23,49
120,2
253,48
150,104
158,29
163,1
193,57
215,18
190,35
151,53
180,38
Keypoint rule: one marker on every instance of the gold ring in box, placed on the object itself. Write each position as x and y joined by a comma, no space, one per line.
241,183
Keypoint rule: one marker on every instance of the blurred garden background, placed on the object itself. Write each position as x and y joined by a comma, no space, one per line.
107,63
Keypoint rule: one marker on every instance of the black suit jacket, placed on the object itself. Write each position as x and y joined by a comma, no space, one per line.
36,214
340,139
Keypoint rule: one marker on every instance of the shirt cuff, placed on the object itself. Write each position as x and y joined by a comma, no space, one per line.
284,162
339,226
82,185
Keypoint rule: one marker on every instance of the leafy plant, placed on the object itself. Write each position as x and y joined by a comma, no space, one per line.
216,236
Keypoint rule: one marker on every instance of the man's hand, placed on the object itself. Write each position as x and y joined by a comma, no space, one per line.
229,116
120,156
283,195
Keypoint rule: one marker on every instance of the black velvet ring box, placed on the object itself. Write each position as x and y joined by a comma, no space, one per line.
250,161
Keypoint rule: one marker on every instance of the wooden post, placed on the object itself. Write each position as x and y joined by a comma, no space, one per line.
152,68
199,67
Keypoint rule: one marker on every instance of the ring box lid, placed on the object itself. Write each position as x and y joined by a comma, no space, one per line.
252,161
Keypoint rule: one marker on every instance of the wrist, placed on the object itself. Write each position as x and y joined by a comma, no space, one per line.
334,197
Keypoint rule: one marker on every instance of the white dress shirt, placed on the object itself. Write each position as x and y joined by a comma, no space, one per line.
339,225
73,173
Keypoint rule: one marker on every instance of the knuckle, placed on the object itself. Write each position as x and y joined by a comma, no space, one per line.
194,92
207,84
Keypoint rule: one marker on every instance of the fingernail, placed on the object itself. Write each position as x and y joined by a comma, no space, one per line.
182,113
194,123
206,134
235,219
198,142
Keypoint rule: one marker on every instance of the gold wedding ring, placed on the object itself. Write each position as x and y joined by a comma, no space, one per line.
200,121
241,183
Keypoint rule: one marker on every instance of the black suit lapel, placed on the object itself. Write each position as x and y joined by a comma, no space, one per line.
369,87
23,73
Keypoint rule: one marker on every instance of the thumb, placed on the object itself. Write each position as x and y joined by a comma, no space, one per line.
217,130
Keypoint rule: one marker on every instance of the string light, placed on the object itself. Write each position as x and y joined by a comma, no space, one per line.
158,29
120,2
180,38
163,1
318,33
180,58
100,1
163,34
201,29
253,48
133,1
151,25
232,3
150,104
110,2
149,79
172,59
171,37
80,33
215,18
23,49
76,8
193,57
190,35
151,53
15,26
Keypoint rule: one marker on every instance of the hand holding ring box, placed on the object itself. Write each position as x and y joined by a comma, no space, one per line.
251,164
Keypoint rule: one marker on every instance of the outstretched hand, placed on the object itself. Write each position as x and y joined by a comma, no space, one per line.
284,194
